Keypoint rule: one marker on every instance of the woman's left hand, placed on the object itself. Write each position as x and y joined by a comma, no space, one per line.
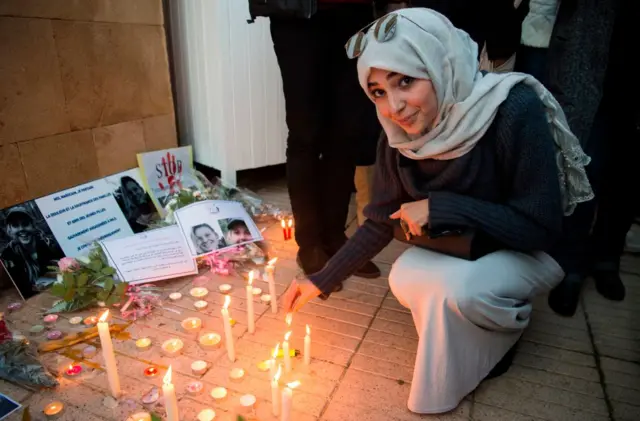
414,214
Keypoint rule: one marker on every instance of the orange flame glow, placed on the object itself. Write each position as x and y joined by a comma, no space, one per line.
272,262
251,275
278,373
288,318
287,335
104,316
293,385
167,377
290,223
227,301
284,224
308,330
275,351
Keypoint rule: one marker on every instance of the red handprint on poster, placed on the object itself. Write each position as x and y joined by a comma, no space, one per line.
170,170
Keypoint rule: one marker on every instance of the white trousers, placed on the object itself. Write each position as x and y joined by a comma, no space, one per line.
468,314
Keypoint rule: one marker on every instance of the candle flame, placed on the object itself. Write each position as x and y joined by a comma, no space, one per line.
293,385
167,377
251,274
272,262
227,301
278,373
284,224
287,335
308,330
104,316
290,223
275,351
193,323
288,318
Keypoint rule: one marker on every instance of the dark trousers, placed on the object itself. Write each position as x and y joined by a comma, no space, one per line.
328,116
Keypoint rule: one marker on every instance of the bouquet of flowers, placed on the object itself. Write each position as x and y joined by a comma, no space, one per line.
85,281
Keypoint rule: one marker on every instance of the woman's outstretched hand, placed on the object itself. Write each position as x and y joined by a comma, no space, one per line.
414,214
300,292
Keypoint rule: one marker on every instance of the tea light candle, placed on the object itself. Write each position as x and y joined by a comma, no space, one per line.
150,371
200,305
210,340
89,351
264,365
54,335
247,401
140,416
287,401
172,347
75,320
206,415
224,288
175,296
269,273
194,388
219,393
73,370
50,319
90,321
198,367
143,343
228,335
236,374
53,410
256,291
251,318
307,346
191,324
266,298
199,292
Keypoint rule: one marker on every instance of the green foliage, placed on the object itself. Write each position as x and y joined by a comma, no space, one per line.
92,281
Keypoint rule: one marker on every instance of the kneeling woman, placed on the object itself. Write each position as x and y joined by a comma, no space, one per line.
462,150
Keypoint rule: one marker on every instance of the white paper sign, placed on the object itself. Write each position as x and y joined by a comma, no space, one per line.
82,215
213,225
151,256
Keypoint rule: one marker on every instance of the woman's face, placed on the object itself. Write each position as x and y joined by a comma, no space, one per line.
206,239
22,231
239,234
135,190
408,102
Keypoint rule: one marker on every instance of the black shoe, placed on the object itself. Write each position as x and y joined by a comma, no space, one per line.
564,298
609,284
504,364
369,270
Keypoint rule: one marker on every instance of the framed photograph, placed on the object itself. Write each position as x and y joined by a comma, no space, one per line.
27,248
134,201
7,406
214,225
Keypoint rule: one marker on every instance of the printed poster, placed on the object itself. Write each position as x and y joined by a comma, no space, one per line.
166,172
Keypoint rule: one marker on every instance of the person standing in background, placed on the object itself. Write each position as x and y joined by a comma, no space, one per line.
536,31
331,123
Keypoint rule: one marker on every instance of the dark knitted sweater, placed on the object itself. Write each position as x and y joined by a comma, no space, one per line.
507,186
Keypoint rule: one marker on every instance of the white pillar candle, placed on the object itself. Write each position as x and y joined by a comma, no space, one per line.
273,364
285,350
108,355
269,273
250,314
287,401
227,329
307,346
170,400
275,393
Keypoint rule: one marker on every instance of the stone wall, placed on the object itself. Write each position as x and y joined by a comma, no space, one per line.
84,86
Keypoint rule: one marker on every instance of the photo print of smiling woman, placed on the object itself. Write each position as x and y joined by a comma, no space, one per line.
27,247
214,225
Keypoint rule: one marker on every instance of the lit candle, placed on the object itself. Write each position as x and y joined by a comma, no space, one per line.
250,314
172,347
269,273
90,321
307,346
73,370
53,410
285,350
170,400
191,324
273,360
175,296
206,415
275,392
289,225
283,224
150,372
143,343
209,340
200,305
108,355
287,401
228,335
224,288
218,393
199,292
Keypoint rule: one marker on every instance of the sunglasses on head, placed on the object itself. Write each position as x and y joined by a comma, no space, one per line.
383,30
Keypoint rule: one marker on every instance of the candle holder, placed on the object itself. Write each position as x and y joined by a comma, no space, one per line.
200,305
75,320
73,370
199,367
209,340
219,393
90,321
191,325
265,298
53,410
247,404
194,388
199,292
224,288
206,415
143,344
151,371
236,374
172,347
175,296
256,291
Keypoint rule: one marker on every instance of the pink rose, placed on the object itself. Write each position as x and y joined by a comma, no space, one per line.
68,264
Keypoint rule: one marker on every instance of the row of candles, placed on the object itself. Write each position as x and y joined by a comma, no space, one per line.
173,346
286,228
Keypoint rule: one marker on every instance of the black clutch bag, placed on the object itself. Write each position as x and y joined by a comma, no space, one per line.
464,243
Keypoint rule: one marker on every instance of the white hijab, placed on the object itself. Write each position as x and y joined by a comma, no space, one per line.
426,45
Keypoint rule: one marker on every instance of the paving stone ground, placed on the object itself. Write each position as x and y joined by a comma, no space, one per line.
585,368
